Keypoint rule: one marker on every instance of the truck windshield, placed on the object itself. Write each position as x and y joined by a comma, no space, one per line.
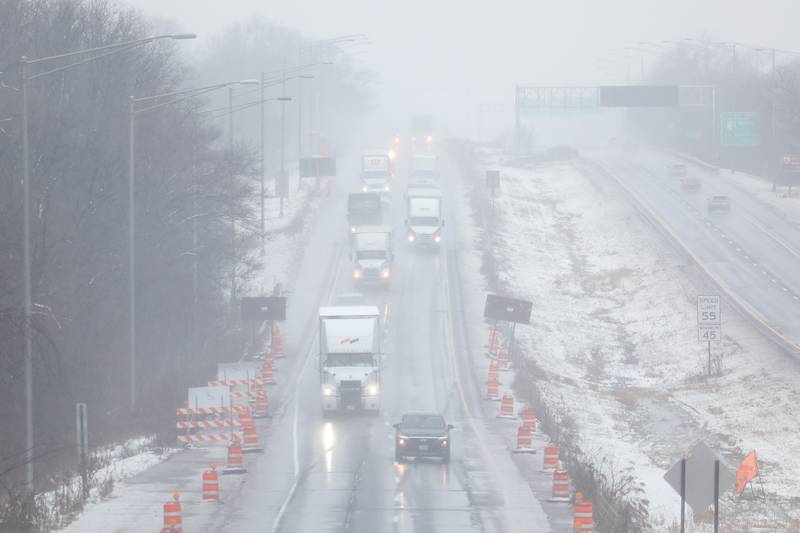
424,221
350,359
371,254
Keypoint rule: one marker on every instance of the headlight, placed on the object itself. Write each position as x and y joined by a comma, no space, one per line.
328,390
429,139
411,237
396,139
437,238
356,274
401,441
392,154
364,189
372,389
386,188
385,274
444,443
352,229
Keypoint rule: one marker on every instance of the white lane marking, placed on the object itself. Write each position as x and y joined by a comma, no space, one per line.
296,449
450,343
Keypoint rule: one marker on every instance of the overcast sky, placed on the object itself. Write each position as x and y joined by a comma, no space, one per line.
452,55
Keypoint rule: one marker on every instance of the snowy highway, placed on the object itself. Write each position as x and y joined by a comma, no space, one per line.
337,473
752,252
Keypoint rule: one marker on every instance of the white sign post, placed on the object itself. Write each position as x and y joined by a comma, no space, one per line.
709,321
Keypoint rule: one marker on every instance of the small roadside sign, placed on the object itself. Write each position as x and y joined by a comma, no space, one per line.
509,309
700,477
711,333
708,309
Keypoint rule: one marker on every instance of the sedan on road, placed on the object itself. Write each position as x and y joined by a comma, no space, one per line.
422,434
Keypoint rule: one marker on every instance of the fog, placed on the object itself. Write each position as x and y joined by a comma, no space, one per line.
451,56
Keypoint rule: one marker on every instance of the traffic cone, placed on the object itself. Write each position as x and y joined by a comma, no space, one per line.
261,405
172,514
529,418
249,434
211,484
551,461
503,363
524,440
235,463
277,341
560,486
582,519
267,375
494,371
493,390
506,407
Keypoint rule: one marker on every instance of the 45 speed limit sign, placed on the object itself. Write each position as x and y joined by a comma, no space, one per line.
709,318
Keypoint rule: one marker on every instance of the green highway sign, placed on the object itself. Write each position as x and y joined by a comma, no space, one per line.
739,128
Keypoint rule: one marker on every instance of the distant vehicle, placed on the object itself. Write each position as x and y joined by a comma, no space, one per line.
677,170
363,209
719,204
691,184
424,220
424,166
372,254
377,171
422,130
422,435
349,358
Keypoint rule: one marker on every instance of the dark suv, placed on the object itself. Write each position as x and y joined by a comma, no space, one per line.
422,435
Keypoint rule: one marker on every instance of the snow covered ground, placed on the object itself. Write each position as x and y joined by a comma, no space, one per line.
614,331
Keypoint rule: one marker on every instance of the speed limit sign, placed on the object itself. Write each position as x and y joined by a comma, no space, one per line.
709,318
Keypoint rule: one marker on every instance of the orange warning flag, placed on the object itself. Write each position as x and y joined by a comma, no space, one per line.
747,471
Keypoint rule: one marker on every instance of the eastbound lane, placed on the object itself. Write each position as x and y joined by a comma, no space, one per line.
752,251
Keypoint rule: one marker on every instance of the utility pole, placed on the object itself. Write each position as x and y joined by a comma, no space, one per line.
132,249
263,163
282,177
26,247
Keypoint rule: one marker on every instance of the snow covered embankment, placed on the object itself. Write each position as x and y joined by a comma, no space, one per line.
613,334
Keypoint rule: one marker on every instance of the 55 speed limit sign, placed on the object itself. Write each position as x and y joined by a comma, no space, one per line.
709,318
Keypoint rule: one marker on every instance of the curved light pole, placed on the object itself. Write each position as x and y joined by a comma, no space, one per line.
25,64
177,97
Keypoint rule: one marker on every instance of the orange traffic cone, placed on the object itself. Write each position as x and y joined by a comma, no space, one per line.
551,461
235,463
506,407
211,484
560,486
524,440
172,514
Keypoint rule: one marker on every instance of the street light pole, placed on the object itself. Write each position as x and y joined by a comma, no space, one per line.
26,202
282,177
263,163
102,52
132,249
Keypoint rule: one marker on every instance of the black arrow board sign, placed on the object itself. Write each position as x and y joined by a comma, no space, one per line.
508,309
264,308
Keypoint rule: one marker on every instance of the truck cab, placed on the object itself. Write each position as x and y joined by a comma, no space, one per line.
349,358
363,209
424,167
372,254
377,172
424,220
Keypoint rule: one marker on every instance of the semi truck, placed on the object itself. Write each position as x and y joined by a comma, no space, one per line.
372,254
376,171
424,216
363,209
424,166
349,358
